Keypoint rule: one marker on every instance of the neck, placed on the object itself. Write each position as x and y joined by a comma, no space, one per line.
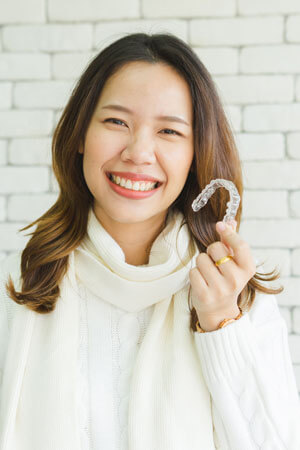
135,239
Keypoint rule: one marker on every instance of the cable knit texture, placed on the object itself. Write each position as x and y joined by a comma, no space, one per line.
127,373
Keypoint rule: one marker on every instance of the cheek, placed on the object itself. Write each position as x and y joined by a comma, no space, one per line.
177,164
100,148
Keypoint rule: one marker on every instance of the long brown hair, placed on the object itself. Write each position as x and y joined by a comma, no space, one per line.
44,260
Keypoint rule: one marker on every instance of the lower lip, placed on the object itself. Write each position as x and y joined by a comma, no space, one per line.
130,193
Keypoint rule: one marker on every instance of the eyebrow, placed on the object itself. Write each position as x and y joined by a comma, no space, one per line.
124,109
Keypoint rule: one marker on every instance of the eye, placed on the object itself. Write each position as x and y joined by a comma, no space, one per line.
172,131
116,120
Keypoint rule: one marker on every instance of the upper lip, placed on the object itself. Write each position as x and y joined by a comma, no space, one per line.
134,176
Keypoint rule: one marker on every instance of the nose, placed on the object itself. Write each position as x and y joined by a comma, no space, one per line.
139,151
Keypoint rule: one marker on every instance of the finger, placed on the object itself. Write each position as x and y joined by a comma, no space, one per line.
208,270
229,269
217,250
241,249
197,279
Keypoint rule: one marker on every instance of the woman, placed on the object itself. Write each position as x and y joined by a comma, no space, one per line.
111,314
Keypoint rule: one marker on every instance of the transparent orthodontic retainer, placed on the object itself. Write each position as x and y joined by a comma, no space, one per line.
207,192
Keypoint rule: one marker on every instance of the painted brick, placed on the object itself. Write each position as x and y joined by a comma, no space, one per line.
272,258
268,7
108,32
298,88
265,204
236,31
54,187
256,89
3,152
5,95
234,116
31,179
24,66
290,295
293,145
272,117
270,59
70,65
296,263
11,239
189,8
57,116
43,94
295,203
29,207
30,151
218,60
2,256
76,10
25,123
271,174
47,38
16,11
294,344
260,146
2,208
293,28
296,320
271,233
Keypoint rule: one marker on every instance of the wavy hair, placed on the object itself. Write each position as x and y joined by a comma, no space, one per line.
44,260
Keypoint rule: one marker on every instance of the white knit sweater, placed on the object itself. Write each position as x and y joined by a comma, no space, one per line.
110,338
254,405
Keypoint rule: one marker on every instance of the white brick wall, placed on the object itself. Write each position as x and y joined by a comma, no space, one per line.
5,95
277,59
43,94
237,31
24,66
48,38
251,48
16,11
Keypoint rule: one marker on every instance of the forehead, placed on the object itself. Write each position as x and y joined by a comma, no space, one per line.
143,83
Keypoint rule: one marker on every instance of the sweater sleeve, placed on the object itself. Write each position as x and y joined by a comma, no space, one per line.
3,328
7,307
248,370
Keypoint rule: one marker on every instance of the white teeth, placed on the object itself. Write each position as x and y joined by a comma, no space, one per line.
136,186
128,184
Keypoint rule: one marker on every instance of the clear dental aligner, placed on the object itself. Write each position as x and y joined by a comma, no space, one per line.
207,192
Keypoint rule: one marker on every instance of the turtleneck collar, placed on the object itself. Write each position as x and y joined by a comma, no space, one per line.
101,266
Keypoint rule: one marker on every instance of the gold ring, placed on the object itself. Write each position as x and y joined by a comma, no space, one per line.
222,260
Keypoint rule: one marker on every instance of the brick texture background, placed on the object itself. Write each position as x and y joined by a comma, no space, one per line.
251,48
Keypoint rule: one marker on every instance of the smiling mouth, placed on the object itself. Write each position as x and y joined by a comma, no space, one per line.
140,183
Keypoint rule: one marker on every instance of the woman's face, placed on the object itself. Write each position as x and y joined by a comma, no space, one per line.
139,141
